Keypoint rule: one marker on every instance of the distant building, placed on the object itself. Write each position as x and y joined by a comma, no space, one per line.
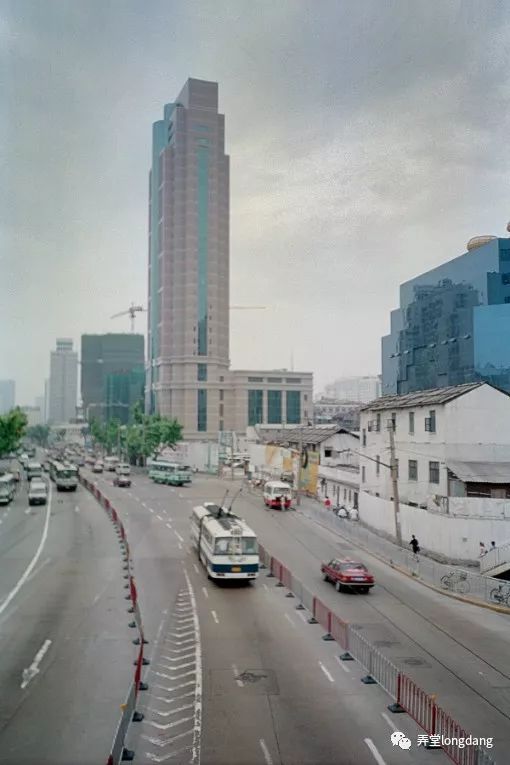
63,387
188,373
112,375
359,389
7,396
344,413
39,404
453,324
34,415
46,410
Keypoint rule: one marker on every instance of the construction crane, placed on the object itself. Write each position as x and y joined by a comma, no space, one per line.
131,312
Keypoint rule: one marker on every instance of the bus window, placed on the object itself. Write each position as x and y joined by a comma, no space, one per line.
249,545
221,547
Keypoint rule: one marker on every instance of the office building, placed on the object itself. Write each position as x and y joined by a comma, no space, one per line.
453,324
112,375
359,389
7,396
63,385
188,374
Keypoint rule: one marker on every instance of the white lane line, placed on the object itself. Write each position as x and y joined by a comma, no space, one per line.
377,757
265,586
195,567
344,667
236,676
178,536
39,569
390,722
159,517
215,617
289,620
169,525
265,752
179,545
150,508
204,590
197,728
33,669
76,509
33,562
302,616
327,672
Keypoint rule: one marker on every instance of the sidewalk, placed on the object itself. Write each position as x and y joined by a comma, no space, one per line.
451,580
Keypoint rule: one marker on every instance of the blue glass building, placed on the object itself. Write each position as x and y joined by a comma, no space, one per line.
453,324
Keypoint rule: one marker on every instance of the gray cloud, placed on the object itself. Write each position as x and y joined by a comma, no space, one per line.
368,142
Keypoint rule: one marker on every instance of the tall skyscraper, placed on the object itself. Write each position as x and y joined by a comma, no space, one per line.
112,375
188,254
63,386
7,395
453,324
188,374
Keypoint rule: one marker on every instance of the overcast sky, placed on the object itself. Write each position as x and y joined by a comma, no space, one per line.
369,141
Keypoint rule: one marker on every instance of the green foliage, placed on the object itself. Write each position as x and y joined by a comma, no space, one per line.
12,428
144,437
39,434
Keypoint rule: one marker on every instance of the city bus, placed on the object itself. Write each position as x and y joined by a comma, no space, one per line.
7,488
169,473
64,475
226,545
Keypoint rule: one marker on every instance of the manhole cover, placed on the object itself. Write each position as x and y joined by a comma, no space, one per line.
251,677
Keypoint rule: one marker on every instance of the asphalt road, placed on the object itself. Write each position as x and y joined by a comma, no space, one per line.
271,690
65,649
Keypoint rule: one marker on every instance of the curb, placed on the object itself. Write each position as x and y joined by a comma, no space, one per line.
471,601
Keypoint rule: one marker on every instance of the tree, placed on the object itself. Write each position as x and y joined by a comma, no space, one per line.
39,434
12,428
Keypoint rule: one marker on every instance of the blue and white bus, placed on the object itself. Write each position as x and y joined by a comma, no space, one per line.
226,545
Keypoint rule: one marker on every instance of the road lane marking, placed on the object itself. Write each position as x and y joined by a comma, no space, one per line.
34,560
179,545
327,672
289,620
178,536
33,669
195,567
215,617
236,676
150,508
390,722
342,664
197,727
169,525
265,586
76,509
159,517
265,752
204,590
39,569
377,757
303,617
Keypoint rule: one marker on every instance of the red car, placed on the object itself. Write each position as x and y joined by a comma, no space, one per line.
347,574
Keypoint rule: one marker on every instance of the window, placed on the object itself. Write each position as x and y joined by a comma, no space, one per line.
255,407
221,411
378,423
202,128
202,372
305,396
411,423
507,299
274,379
433,472
221,425
293,407
221,546
430,422
394,420
328,452
201,410
221,395
505,278
250,546
345,493
363,474
413,470
293,380
222,379
377,464
350,495
364,437
274,406
255,379
396,467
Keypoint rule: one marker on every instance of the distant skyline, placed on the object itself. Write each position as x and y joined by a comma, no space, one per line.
368,143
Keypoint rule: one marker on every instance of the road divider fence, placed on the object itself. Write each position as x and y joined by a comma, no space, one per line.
118,751
406,695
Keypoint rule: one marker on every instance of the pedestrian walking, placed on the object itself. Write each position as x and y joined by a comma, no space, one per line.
415,545
327,502
483,550
493,545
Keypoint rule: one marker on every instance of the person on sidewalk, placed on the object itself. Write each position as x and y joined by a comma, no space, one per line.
327,503
493,545
483,550
415,545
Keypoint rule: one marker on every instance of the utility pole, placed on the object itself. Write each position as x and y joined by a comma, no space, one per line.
394,483
298,494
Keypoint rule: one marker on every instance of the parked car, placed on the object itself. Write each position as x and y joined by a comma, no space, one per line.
348,574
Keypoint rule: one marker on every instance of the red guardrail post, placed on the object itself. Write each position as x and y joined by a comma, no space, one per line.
397,707
312,619
280,575
328,635
270,574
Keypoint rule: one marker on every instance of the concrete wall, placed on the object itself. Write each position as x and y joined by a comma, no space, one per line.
454,538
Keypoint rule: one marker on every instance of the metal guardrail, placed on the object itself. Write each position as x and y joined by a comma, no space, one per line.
407,696
495,557
118,751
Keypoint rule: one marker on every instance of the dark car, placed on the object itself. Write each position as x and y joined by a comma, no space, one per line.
348,574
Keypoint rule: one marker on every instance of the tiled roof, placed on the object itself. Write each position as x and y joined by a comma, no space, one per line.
295,435
422,397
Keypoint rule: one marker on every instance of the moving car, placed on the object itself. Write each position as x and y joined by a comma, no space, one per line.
122,475
7,488
34,470
97,467
277,495
38,492
349,574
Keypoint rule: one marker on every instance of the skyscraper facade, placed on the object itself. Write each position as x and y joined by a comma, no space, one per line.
188,373
188,257
112,375
7,395
63,386
453,324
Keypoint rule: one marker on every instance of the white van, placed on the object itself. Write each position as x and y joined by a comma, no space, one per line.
38,492
34,470
277,495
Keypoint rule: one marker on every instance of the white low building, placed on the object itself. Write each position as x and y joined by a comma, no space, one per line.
452,447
